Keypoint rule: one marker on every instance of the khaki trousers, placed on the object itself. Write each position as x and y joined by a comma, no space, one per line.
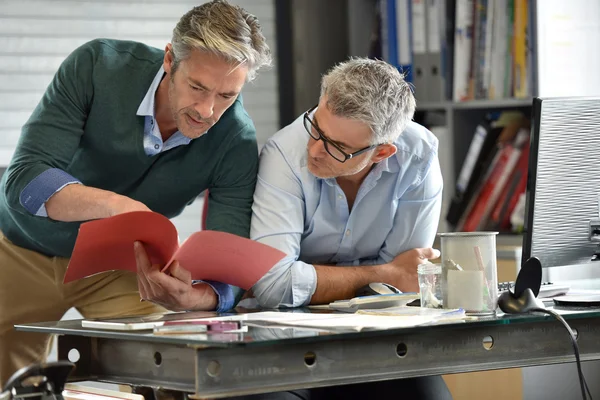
31,290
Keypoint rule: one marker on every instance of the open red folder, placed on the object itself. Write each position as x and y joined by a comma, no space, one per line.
107,244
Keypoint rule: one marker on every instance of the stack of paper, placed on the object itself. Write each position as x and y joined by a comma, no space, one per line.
387,318
435,314
344,322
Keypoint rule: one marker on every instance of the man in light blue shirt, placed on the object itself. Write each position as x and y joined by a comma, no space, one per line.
351,191
346,190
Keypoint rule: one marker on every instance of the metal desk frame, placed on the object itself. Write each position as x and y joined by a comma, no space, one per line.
220,371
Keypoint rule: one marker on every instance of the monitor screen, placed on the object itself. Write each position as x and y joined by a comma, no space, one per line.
563,188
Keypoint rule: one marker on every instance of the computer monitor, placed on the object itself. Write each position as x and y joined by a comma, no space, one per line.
563,188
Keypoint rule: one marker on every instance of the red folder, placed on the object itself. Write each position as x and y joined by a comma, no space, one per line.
107,244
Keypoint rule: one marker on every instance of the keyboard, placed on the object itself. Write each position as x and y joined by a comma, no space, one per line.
547,289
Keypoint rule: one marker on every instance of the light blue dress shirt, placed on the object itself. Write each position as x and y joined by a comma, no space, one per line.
49,182
397,209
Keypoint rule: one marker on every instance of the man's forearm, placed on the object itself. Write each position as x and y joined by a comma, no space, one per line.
81,203
337,283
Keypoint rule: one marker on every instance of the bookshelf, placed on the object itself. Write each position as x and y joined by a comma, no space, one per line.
484,58
315,38
455,123
461,118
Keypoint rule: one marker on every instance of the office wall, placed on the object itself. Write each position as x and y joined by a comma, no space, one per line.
36,35
567,35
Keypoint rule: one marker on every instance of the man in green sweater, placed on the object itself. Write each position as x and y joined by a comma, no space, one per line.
125,127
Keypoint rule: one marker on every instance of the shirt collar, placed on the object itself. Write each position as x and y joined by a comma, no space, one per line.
390,164
146,107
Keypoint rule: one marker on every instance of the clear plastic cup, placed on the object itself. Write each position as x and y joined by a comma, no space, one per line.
469,271
430,285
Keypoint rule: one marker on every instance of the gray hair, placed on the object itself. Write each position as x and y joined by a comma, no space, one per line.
373,92
225,30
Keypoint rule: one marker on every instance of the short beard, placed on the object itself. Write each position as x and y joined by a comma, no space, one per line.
337,174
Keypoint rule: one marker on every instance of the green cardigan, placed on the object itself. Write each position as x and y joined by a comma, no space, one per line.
86,125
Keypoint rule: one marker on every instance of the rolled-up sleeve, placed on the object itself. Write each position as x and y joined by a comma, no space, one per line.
278,221
226,294
35,195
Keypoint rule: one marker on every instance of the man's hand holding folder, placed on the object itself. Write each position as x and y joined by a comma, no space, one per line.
175,290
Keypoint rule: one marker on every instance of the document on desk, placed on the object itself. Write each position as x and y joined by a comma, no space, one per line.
335,321
152,321
144,322
275,319
435,314
107,244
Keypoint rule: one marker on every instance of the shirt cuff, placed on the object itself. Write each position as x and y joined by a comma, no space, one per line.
225,295
305,284
37,192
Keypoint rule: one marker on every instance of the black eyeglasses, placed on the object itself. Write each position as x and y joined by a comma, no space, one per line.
333,149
